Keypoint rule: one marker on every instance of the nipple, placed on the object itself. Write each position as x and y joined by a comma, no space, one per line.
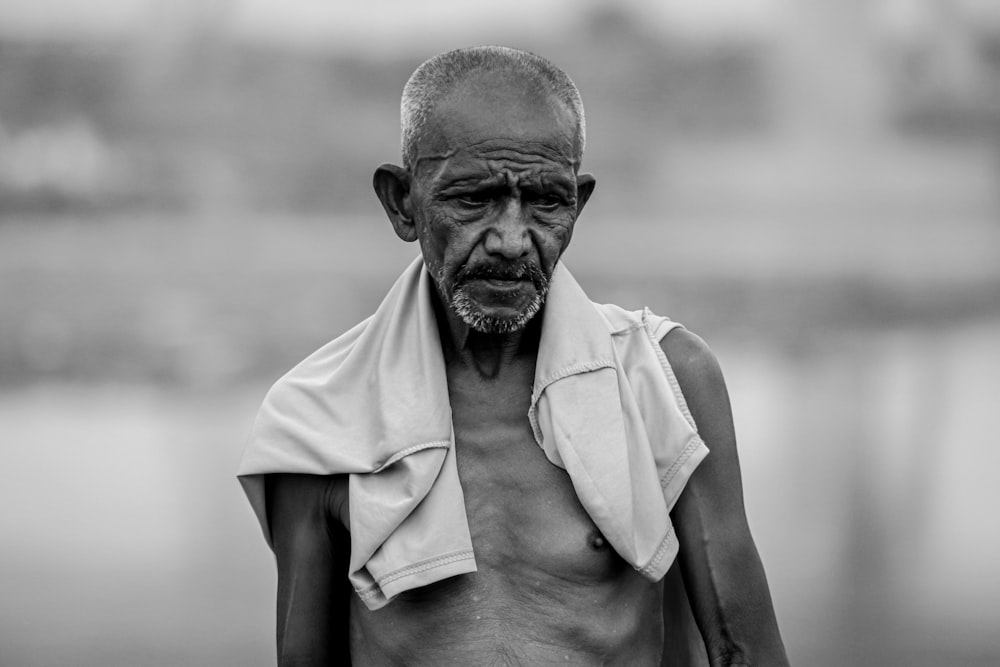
597,542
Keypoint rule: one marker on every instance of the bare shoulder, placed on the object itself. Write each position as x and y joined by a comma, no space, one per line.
696,367
704,388
684,347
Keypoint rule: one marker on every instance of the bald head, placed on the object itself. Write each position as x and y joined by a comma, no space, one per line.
445,76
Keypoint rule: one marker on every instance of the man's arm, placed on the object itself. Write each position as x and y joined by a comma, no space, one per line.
722,571
312,549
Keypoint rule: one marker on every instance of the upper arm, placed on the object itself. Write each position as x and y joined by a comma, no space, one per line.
716,483
722,571
312,552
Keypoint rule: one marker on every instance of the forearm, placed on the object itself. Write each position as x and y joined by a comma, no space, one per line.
312,623
733,608
722,570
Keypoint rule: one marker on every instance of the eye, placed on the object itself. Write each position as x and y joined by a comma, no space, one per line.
475,199
548,202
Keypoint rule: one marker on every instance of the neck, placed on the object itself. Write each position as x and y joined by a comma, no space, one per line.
488,353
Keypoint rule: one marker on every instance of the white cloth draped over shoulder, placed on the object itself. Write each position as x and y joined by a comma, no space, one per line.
373,404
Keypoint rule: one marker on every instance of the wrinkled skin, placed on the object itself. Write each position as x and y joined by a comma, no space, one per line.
495,204
491,192
492,197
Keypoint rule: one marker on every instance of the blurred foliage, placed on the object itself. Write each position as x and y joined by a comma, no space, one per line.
184,207
214,121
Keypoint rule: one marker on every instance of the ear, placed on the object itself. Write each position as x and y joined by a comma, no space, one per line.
584,188
392,186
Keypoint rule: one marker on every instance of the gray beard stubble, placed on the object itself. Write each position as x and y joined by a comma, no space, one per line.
470,313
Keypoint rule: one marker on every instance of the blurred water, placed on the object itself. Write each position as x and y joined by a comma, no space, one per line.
867,464
127,541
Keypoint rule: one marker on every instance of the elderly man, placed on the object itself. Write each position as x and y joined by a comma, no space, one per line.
492,469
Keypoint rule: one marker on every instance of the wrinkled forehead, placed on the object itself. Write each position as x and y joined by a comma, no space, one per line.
497,110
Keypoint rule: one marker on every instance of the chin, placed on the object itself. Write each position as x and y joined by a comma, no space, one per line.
489,321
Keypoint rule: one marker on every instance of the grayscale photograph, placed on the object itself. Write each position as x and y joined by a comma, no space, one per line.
527,333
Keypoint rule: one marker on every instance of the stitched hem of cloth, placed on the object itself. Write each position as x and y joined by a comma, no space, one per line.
649,569
395,458
682,458
374,589
368,592
536,430
424,565
624,330
536,395
574,369
669,371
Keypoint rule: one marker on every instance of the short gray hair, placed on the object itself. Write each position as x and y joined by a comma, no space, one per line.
439,75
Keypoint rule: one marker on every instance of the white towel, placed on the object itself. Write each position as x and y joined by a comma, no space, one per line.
373,404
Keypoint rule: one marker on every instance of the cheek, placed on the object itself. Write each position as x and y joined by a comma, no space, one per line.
444,242
551,240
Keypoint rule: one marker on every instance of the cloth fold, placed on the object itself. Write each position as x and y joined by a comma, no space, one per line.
373,404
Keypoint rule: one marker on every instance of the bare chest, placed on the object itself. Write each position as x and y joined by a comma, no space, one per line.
524,514
547,589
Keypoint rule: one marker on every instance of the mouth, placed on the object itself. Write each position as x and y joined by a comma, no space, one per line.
498,298
502,277
502,283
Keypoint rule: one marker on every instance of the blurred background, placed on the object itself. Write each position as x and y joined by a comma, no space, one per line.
186,211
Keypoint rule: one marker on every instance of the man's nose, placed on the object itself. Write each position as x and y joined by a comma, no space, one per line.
508,235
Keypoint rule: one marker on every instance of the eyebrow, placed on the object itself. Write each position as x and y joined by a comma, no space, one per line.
469,180
474,178
489,179
554,180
